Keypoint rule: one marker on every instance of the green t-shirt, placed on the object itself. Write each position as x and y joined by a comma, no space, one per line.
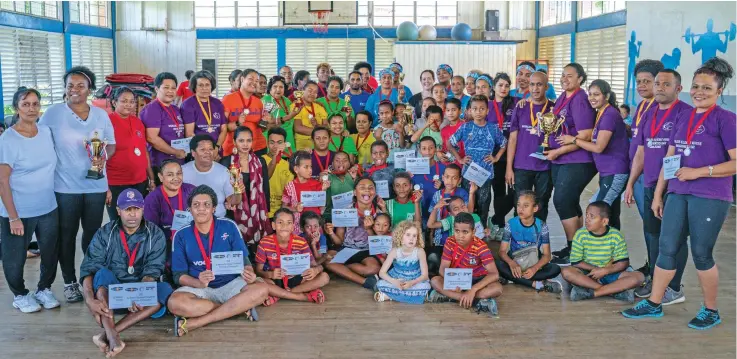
349,146
279,112
400,212
333,108
435,136
338,186
448,222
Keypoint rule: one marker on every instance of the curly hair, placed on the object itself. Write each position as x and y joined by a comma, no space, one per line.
401,228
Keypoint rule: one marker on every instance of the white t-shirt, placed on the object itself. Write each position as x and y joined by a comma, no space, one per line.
69,132
218,178
31,160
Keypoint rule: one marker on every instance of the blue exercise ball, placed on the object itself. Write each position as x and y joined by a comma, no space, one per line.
407,31
461,31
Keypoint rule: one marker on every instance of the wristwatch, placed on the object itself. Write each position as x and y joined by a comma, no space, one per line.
711,170
574,140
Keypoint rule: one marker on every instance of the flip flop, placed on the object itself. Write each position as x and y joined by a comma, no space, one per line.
183,327
270,301
252,315
316,296
381,297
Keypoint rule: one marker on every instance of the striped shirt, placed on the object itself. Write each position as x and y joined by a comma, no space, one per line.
266,253
478,256
598,250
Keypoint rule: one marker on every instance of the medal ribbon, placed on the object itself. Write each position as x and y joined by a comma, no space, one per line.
638,115
131,257
654,129
205,255
327,161
691,131
208,114
171,114
533,118
565,103
456,259
278,255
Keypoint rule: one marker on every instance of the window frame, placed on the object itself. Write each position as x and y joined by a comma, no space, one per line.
30,3
236,6
544,9
591,5
108,14
371,17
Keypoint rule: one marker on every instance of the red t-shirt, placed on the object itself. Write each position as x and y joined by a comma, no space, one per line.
446,133
266,253
373,83
234,104
129,162
183,90
476,256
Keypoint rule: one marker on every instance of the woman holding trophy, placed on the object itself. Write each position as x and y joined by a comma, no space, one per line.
281,106
311,114
84,139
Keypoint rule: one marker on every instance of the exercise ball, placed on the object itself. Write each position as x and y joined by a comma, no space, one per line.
461,31
407,31
428,32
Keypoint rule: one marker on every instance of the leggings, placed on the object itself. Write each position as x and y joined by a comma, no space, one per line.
73,208
610,191
569,181
483,199
652,227
117,190
541,183
701,218
504,197
548,271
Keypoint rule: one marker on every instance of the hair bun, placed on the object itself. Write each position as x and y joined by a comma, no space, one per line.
719,66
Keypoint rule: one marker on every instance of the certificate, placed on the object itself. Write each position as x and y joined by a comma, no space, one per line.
227,262
181,144
345,217
379,244
418,166
476,174
181,219
457,278
670,166
382,189
313,198
400,158
124,295
343,200
344,255
295,264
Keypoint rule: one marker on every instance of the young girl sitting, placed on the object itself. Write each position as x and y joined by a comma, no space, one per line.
407,281
301,166
382,227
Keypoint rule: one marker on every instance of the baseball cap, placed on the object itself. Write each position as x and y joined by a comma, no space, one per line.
130,198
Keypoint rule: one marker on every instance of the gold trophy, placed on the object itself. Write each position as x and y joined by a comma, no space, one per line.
409,128
95,149
347,106
547,124
235,177
298,98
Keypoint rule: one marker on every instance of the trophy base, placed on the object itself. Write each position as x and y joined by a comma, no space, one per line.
93,174
263,124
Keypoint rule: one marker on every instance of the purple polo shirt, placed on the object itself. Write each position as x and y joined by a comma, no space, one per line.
579,115
154,116
636,127
192,113
656,146
527,143
709,147
157,211
613,160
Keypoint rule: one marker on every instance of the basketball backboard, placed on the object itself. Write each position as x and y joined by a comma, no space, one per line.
298,12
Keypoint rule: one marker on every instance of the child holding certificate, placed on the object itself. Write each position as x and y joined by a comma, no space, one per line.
381,172
382,227
301,166
311,224
304,284
407,280
466,251
406,205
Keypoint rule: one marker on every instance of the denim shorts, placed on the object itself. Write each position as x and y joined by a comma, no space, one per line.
610,278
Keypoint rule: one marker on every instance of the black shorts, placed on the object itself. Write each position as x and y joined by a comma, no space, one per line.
290,283
569,181
359,257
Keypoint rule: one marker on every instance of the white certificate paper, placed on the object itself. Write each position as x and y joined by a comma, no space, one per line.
295,264
379,244
400,158
477,174
181,219
227,262
418,166
382,189
670,166
313,198
345,217
457,278
344,255
124,295
181,144
343,200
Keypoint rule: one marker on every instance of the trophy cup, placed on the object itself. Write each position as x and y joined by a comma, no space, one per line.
409,128
268,107
347,106
547,123
235,177
95,149
298,98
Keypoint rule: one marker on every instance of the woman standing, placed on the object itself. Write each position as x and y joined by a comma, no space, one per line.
203,113
130,167
79,198
427,79
572,167
333,104
700,194
608,146
501,107
309,116
281,104
28,203
243,108
163,121
383,93
483,85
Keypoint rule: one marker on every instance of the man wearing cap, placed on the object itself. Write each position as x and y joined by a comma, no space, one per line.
127,250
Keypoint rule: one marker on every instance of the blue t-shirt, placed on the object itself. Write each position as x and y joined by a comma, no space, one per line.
479,142
427,187
358,102
520,236
440,235
186,256
550,93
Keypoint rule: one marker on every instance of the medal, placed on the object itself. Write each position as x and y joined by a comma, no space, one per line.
325,178
210,129
310,116
130,270
436,178
687,151
131,256
367,213
533,131
137,151
246,111
417,187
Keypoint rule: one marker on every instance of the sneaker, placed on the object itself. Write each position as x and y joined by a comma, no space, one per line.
72,293
644,290
565,252
673,297
645,269
486,306
643,309
503,281
26,303
435,297
705,319
580,293
625,296
46,298
370,282
552,286
561,261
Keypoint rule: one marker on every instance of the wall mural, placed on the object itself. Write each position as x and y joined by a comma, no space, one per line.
633,53
710,42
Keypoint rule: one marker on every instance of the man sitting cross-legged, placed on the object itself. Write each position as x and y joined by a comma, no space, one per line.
600,263
204,297
126,250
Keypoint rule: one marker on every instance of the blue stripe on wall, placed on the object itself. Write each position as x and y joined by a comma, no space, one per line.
30,22
304,33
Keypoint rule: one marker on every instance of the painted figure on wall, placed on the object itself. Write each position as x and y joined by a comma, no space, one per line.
710,42
672,60
633,53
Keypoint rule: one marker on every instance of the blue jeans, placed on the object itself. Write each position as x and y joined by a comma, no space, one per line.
104,277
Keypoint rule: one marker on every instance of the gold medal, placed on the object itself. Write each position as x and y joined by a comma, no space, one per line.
210,129
533,131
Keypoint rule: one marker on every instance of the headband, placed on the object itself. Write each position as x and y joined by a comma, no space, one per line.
473,75
446,68
525,67
89,82
386,72
485,78
396,65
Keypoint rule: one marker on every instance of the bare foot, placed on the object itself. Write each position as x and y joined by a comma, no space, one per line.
101,341
116,349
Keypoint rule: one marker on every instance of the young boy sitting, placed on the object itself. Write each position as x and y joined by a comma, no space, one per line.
301,287
311,223
455,205
599,260
338,142
465,250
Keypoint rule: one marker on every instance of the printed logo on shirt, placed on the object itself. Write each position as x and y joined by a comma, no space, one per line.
668,126
563,112
472,261
509,112
198,263
700,130
224,236
139,134
216,115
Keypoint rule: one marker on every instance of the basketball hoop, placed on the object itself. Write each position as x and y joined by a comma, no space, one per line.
320,19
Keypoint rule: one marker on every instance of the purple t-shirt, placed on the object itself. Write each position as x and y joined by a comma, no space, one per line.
709,147
613,160
155,116
324,161
506,115
579,115
157,211
646,111
192,113
656,147
527,142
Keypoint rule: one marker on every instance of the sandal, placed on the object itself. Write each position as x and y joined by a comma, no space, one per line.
270,301
316,296
381,297
252,315
178,327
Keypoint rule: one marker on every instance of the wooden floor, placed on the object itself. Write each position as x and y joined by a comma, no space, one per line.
351,325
